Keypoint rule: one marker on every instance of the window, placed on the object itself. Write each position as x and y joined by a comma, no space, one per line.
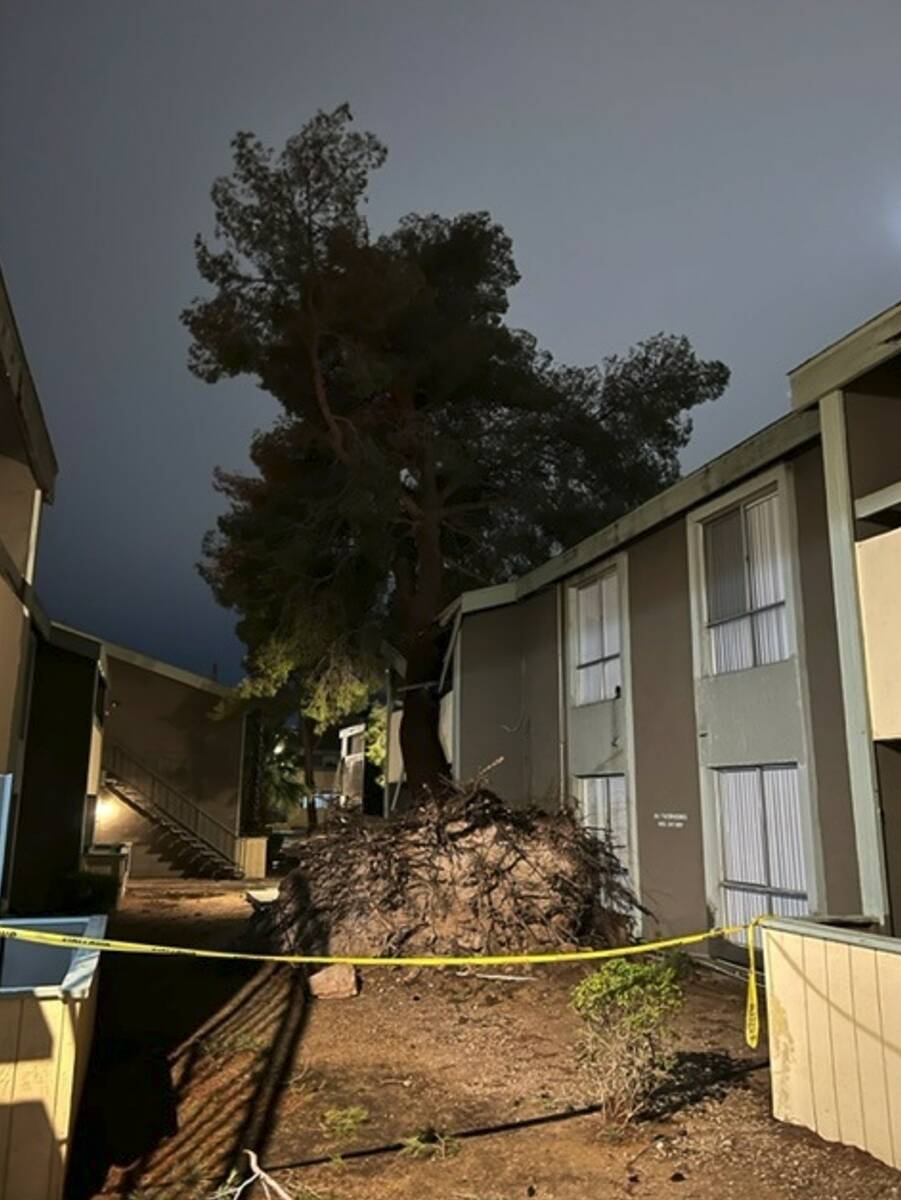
762,860
745,586
605,812
598,672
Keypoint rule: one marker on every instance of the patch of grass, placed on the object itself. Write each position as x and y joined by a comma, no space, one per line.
304,1079
429,1143
164,1191
476,1196
342,1123
229,1190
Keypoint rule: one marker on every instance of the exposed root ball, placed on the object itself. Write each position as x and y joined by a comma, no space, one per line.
466,875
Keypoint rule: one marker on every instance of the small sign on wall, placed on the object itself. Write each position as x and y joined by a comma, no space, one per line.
671,820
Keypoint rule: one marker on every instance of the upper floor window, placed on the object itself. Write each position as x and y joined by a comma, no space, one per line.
745,586
598,670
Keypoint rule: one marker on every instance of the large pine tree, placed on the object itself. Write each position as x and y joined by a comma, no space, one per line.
424,445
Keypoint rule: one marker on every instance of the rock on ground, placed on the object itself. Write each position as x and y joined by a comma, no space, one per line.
336,982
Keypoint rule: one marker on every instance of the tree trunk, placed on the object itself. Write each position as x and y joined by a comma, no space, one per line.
309,772
425,763
254,816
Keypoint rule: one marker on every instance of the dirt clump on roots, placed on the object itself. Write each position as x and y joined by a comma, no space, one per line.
465,874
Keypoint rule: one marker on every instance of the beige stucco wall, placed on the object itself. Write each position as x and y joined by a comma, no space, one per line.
18,493
509,689
879,579
167,725
888,767
670,858
14,633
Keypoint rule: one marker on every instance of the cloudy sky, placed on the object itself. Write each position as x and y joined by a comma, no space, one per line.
719,168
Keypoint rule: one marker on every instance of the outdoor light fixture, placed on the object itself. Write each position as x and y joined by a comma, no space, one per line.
106,807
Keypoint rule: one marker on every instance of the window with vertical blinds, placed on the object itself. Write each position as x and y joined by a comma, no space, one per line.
744,573
762,858
598,670
604,810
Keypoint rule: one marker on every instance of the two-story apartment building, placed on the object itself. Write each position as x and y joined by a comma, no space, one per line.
28,471
716,677
98,743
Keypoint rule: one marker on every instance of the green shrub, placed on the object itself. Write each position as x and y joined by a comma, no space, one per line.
625,1050
643,993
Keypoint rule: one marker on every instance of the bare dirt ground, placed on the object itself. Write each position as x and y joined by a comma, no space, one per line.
249,1062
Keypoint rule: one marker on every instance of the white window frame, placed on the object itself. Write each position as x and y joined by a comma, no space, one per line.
568,633
779,477
749,887
761,487
609,570
630,859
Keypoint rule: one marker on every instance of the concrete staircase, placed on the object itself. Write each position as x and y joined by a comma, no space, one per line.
187,840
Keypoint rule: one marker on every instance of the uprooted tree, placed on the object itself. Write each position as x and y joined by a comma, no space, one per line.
424,446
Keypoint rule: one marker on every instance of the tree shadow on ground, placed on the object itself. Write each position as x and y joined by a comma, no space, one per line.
697,1075
190,1057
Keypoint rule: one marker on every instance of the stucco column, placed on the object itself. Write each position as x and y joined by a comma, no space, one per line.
865,799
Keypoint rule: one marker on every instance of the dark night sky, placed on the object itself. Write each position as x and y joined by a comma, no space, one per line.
726,169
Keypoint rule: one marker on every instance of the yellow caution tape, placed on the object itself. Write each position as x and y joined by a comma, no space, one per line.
752,1012
44,937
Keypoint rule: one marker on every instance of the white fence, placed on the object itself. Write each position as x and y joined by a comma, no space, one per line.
834,1017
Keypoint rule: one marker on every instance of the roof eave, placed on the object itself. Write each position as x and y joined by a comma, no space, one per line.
846,360
156,665
776,441
29,413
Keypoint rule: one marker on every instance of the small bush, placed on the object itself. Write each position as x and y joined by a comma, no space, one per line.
625,1050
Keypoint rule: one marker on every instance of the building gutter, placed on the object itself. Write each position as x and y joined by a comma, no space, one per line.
839,365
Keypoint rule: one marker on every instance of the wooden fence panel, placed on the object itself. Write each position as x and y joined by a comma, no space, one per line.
834,1011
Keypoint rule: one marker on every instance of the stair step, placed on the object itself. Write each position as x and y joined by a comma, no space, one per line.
206,856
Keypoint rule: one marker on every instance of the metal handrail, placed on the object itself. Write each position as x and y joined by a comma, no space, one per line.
196,820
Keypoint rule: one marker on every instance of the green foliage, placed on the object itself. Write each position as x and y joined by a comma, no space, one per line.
377,739
338,691
429,1143
341,1123
425,446
641,993
625,1050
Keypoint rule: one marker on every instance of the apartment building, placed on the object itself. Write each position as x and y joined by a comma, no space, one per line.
98,743
715,679
28,471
